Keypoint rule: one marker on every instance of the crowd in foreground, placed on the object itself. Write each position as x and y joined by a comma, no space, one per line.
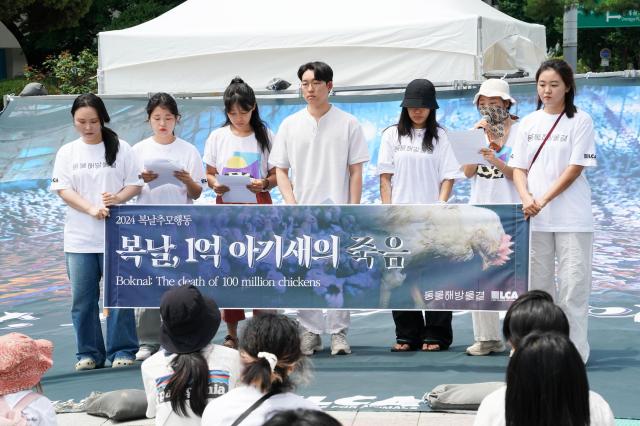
191,381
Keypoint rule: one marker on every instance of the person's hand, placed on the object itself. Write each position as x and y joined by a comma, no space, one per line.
148,176
489,155
183,176
109,199
99,213
482,124
256,185
219,189
530,207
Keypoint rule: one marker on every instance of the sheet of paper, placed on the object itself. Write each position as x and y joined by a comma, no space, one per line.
164,168
238,192
466,146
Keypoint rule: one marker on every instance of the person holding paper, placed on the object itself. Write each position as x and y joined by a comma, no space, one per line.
553,147
91,174
173,174
240,147
325,147
416,165
492,183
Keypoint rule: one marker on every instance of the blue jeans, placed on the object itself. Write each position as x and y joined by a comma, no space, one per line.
84,271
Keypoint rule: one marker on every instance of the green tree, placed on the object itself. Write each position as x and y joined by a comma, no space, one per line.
48,27
623,42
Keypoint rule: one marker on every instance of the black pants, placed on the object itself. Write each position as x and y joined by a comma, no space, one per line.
415,330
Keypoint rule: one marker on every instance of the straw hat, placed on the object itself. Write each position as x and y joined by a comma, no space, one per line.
23,361
494,88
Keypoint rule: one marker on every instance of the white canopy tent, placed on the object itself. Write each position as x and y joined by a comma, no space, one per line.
201,45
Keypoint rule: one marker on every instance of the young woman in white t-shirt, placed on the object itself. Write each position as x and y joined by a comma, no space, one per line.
492,183
240,146
164,148
417,166
189,370
270,352
91,174
546,385
556,195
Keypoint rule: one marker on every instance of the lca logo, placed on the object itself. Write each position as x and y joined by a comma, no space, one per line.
503,296
590,156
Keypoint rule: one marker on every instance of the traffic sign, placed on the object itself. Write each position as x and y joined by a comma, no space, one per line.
608,19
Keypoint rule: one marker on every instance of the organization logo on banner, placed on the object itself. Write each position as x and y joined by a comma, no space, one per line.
504,296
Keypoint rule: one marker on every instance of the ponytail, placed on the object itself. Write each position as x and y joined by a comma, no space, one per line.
111,145
240,93
191,374
277,335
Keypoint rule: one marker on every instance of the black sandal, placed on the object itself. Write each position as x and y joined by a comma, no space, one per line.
230,342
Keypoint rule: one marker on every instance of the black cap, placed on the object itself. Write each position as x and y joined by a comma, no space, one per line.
189,320
420,93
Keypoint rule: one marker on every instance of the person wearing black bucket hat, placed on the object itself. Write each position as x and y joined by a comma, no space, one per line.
189,370
416,165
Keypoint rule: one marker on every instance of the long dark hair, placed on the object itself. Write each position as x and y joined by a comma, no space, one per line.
301,417
275,334
109,137
547,383
533,311
566,73
405,128
191,373
240,93
162,100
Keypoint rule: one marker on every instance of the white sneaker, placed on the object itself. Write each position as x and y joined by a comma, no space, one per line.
310,343
121,362
485,348
144,352
85,364
339,344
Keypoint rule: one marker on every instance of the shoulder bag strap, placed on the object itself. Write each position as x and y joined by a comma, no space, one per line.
535,157
253,407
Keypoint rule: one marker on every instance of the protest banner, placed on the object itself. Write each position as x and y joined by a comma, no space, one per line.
327,256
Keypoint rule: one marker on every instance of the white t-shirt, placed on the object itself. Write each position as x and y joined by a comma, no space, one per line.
491,410
225,410
180,152
572,142
319,154
81,167
417,174
229,153
489,185
39,413
224,374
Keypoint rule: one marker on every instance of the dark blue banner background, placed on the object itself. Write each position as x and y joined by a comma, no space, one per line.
341,257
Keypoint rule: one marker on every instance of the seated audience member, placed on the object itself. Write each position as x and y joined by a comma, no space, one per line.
189,370
546,386
533,311
302,418
270,352
23,361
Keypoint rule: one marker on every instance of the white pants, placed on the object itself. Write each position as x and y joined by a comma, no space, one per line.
314,321
574,252
486,326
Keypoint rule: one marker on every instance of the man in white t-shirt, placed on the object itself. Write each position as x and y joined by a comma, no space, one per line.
325,148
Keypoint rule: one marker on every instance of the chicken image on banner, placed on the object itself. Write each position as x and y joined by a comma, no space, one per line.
442,238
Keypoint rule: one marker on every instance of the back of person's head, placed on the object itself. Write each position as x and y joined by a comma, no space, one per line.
321,71
109,137
532,311
23,361
189,322
546,383
270,352
302,418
